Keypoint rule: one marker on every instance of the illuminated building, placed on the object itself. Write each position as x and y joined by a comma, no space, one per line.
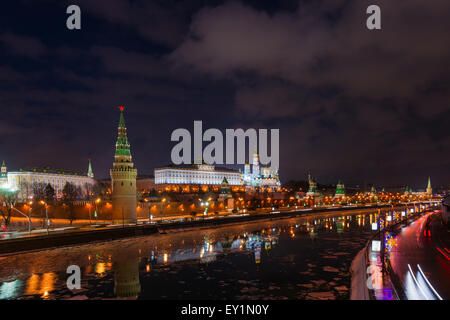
313,192
429,191
202,174
180,176
225,195
145,183
123,178
408,191
340,190
260,176
90,172
3,174
23,179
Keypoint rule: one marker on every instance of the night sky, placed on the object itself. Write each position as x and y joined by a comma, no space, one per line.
352,104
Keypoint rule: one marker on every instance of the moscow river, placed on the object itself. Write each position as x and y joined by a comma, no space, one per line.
297,258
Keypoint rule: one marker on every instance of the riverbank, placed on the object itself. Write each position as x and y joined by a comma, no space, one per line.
107,233
372,281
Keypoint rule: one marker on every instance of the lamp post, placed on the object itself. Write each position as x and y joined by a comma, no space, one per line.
162,205
97,201
29,219
46,213
89,208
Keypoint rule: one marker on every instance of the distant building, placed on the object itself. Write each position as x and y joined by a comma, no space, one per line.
340,190
260,176
3,174
202,174
429,191
23,179
145,184
226,196
313,192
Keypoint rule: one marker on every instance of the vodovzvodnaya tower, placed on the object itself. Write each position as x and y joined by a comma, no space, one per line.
123,178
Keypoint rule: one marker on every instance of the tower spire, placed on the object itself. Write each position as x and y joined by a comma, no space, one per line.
3,173
429,189
122,156
90,172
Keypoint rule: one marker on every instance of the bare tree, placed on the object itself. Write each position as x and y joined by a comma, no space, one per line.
88,191
49,196
24,190
7,201
69,194
38,190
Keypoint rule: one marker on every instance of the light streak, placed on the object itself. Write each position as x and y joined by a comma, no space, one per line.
417,283
428,282
443,253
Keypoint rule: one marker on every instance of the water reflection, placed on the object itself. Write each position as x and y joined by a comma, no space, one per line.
257,260
126,275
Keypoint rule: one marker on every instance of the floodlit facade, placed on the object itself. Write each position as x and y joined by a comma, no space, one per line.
202,174
260,176
25,178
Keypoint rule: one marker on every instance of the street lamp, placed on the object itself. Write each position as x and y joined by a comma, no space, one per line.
97,201
46,213
88,205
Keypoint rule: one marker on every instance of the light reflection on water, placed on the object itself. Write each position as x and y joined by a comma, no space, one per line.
302,258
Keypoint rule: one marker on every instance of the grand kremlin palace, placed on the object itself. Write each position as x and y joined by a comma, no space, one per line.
56,178
190,177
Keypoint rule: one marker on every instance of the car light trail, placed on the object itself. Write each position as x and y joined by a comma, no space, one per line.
443,253
428,282
417,283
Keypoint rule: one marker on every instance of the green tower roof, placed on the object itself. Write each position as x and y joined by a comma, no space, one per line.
90,173
122,119
340,190
122,145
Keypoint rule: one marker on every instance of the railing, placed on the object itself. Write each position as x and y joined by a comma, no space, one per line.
386,264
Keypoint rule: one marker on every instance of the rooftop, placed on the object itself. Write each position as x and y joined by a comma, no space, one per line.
51,171
194,167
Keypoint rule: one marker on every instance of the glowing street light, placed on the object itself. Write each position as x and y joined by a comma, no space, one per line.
42,202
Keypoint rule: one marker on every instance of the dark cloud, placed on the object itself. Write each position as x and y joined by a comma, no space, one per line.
336,82
22,45
350,103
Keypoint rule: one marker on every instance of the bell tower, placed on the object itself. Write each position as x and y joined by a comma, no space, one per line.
3,173
123,178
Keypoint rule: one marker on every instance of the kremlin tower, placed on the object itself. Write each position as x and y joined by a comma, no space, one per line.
312,191
429,189
90,173
340,190
256,169
123,178
3,174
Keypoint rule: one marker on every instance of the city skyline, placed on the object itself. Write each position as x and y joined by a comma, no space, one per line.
241,168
